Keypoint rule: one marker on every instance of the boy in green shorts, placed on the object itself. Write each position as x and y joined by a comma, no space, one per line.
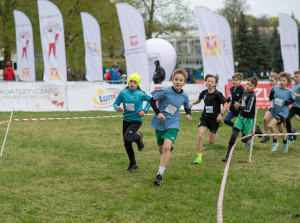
245,119
166,120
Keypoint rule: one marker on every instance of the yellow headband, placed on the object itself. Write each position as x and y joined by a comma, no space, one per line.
136,77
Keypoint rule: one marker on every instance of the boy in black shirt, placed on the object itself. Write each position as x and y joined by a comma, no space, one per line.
212,114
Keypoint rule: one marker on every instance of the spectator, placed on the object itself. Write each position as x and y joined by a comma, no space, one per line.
159,74
114,74
9,74
116,63
190,79
70,74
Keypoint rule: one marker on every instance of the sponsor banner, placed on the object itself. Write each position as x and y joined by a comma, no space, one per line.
92,44
289,43
134,39
53,43
25,51
226,46
85,96
211,43
32,97
162,50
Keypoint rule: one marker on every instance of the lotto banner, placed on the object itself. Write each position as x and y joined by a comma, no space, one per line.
26,96
211,46
92,45
262,93
226,46
85,96
162,50
53,43
289,43
25,51
134,39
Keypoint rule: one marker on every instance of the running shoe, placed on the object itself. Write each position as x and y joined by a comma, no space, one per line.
131,167
285,148
157,180
265,139
197,161
140,142
274,146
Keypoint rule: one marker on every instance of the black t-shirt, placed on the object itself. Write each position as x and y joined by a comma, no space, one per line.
212,103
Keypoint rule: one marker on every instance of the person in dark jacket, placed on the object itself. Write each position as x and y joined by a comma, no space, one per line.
190,79
159,74
9,74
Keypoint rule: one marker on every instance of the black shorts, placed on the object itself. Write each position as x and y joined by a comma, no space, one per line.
210,123
280,119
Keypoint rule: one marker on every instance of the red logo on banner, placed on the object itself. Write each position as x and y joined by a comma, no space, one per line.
25,72
54,74
211,42
133,40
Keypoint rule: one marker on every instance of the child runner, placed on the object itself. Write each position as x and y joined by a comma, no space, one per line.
132,98
245,119
212,114
281,97
273,80
295,109
166,120
236,92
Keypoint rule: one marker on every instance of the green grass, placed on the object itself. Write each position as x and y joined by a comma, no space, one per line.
73,171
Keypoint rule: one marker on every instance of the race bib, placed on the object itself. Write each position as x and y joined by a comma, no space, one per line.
278,101
209,109
129,107
171,109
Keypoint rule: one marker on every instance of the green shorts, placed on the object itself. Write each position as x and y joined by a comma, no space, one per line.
244,124
170,134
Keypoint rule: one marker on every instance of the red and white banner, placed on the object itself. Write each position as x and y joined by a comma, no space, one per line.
289,43
134,39
53,43
162,50
211,43
226,46
92,45
25,51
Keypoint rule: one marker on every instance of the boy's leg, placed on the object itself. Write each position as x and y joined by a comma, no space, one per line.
284,138
202,131
272,125
212,138
227,120
292,112
267,117
166,149
234,134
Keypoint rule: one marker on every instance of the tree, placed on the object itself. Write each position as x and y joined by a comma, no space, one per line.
276,62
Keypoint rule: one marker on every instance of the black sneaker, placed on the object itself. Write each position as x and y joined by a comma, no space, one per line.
172,147
140,142
265,139
225,159
157,180
294,131
131,168
258,131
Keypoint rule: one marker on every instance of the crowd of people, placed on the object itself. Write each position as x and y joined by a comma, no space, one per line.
166,103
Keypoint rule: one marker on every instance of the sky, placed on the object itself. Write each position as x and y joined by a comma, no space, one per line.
257,8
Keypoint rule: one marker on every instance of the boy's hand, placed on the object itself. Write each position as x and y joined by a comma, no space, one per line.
219,118
236,105
141,113
192,105
120,109
188,117
161,117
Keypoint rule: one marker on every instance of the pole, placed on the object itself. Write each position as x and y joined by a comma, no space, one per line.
7,131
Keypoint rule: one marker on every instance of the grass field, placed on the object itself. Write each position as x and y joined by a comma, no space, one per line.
73,171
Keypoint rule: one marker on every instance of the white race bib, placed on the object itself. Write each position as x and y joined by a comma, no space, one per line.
171,109
209,109
130,107
278,101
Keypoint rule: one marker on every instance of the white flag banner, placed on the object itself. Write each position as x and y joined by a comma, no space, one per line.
53,43
289,43
25,50
134,39
211,45
92,44
162,50
226,46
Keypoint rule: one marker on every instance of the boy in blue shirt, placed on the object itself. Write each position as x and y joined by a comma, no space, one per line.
295,109
281,97
132,98
166,120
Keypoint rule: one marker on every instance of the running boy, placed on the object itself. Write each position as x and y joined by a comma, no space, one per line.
295,109
236,92
245,119
166,120
212,114
132,98
281,97
273,80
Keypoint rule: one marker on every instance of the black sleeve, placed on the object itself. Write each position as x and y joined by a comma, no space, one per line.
249,105
188,111
154,107
222,99
201,96
271,96
289,101
229,99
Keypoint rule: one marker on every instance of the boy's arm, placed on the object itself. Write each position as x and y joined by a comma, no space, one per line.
291,99
195,102
271,96
154,106
249,105
147,106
